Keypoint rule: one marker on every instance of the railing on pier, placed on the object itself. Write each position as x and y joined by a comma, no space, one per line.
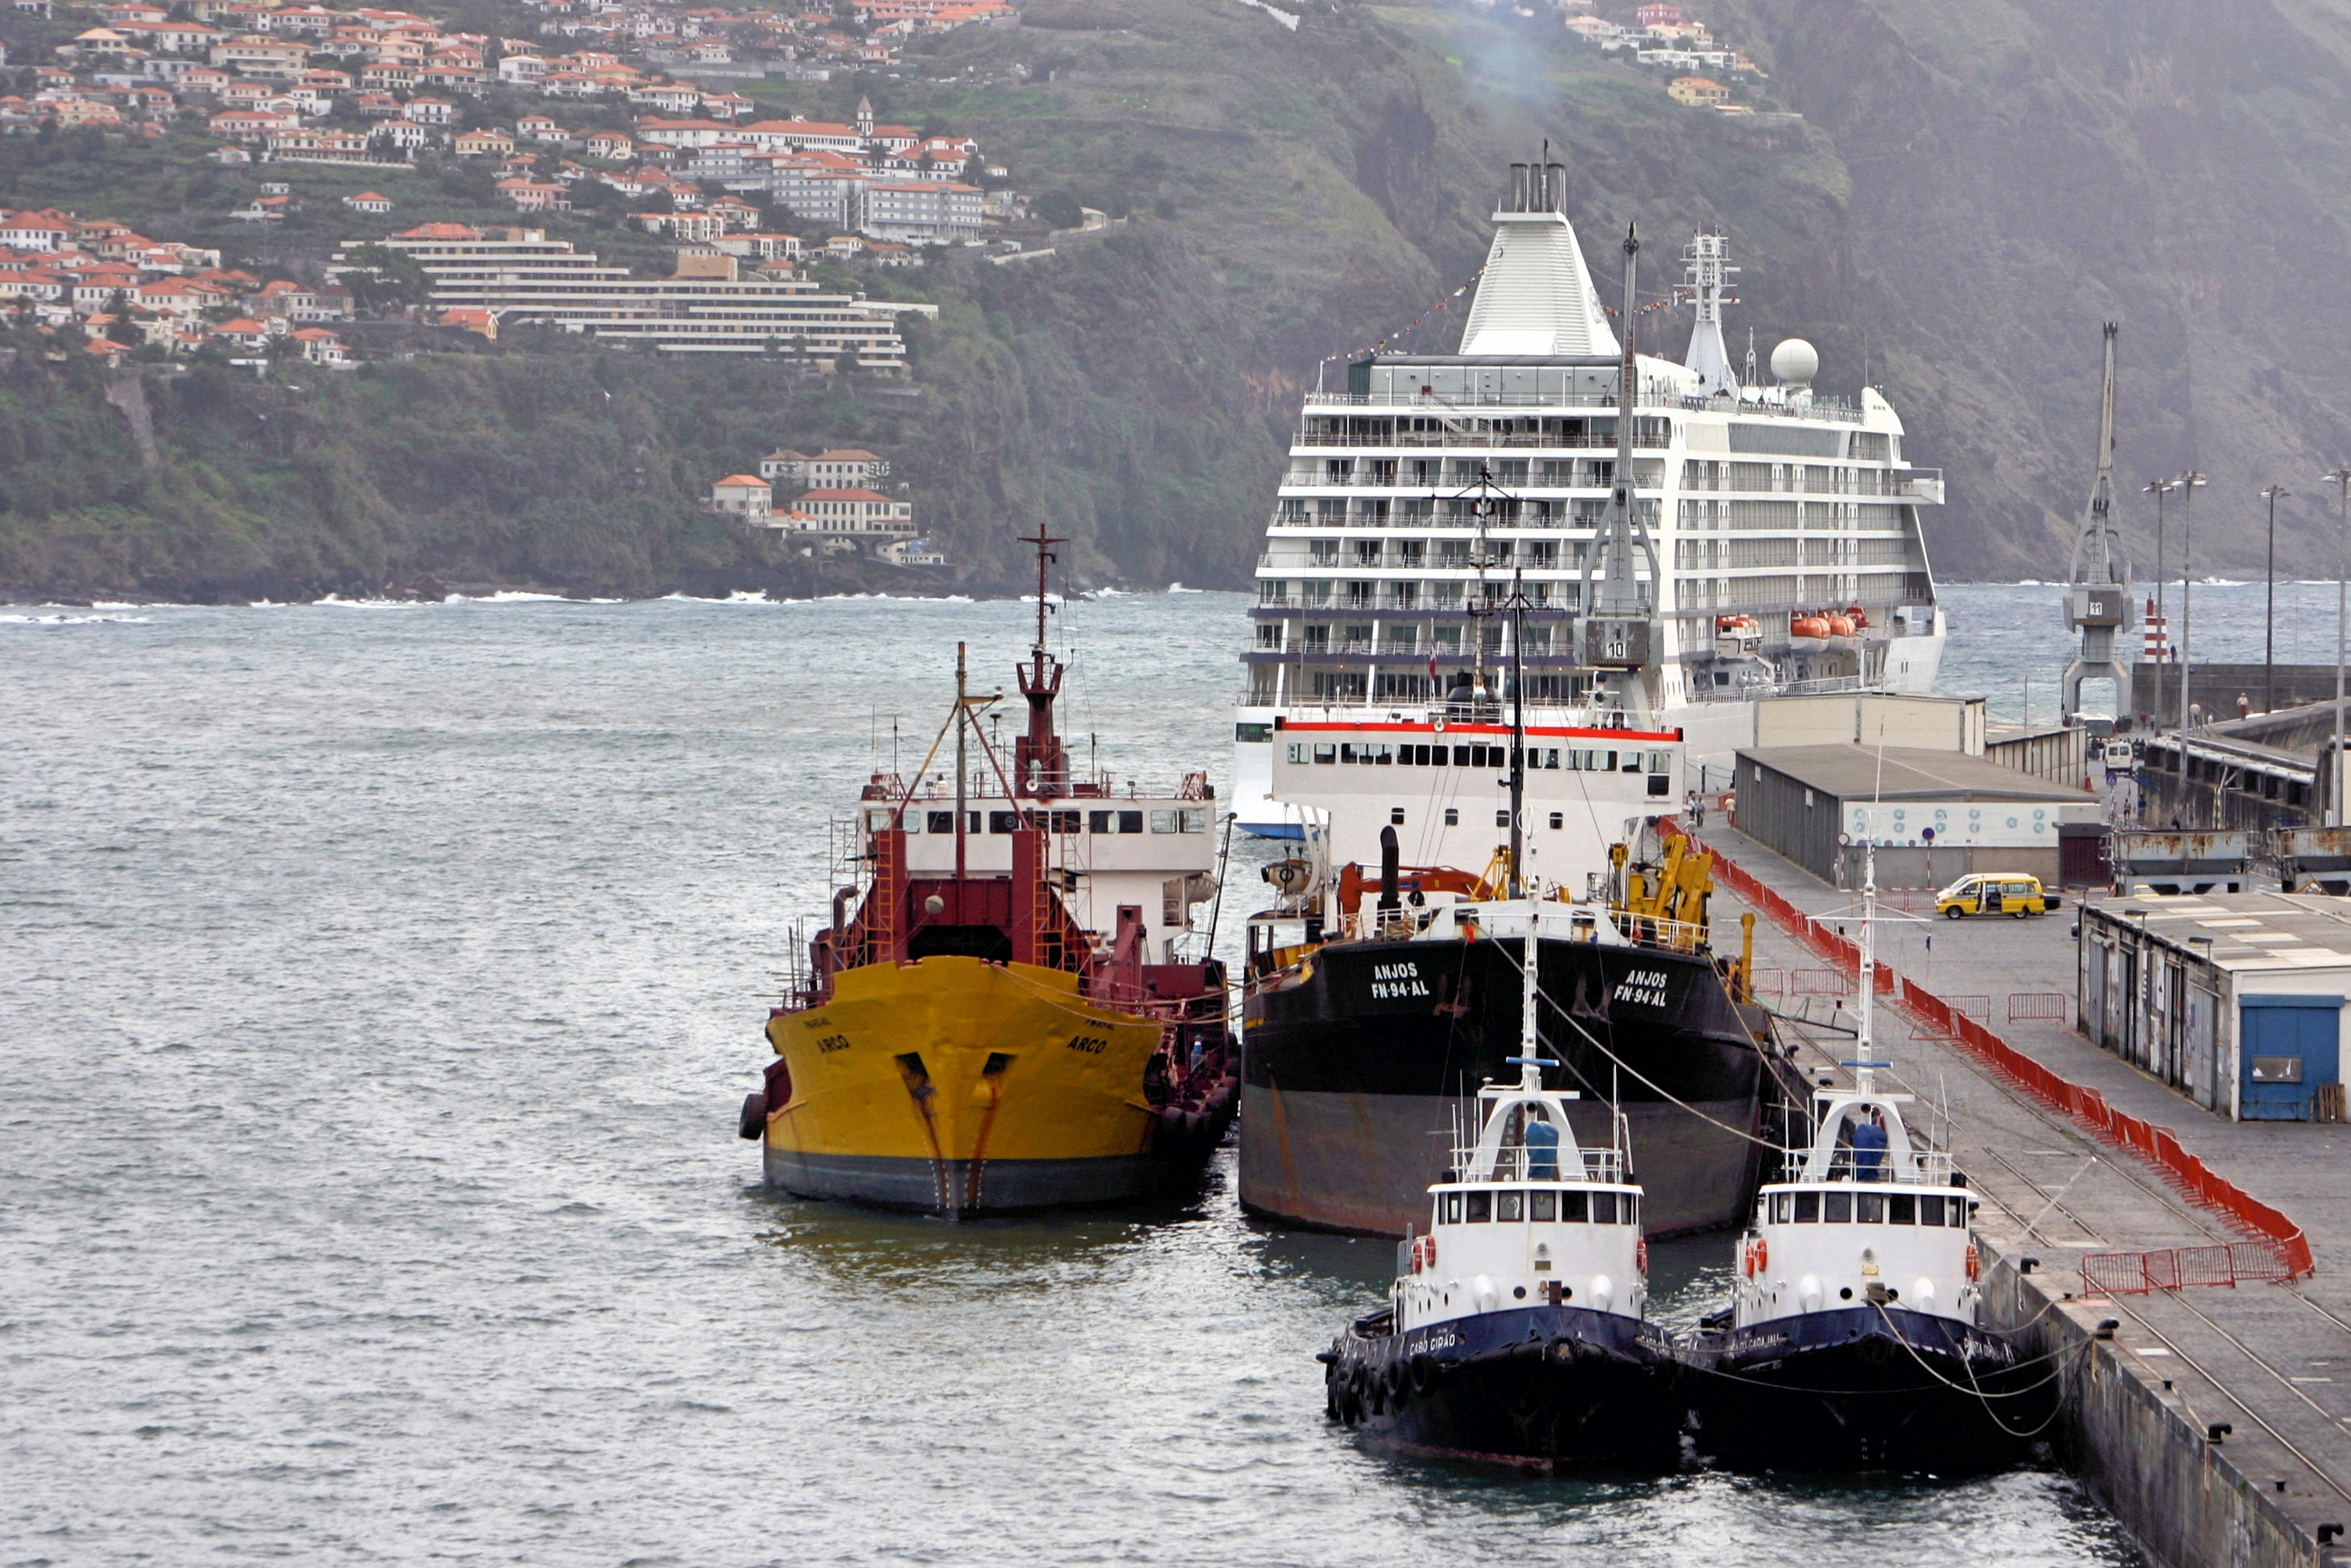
2174,1268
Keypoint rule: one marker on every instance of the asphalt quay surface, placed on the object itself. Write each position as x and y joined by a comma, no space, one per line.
2271,1361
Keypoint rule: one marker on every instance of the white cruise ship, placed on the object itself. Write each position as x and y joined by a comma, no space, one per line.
1786,523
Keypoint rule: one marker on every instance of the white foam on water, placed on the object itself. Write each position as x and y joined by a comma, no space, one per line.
512,596
69,619
340,602
1179,588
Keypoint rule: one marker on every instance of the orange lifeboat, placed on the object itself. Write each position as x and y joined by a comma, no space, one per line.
1808,633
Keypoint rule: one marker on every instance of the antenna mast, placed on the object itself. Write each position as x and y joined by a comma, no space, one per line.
1040,762
2097,595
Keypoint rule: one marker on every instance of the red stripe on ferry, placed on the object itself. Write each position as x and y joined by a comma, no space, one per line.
1290,725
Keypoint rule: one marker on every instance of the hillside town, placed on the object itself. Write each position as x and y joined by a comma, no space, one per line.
837,510
1699,72
642,108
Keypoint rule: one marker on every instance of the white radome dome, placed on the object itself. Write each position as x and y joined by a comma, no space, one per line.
1795,362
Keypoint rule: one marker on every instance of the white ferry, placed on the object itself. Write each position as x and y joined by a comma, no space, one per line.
1789,554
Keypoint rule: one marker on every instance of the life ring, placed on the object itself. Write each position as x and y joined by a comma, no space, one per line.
1762,1255
1641,1255
1415,1255
1975,1262
1432,1254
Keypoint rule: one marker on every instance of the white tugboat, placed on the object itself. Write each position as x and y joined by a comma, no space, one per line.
1853,1338
1515,1327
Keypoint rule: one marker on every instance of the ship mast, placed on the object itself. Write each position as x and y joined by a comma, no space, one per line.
1865,1078
1618,631
1518,886
1040,765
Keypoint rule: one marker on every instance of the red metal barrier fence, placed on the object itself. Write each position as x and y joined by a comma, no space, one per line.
2160,1146
2169,1268
2031,1006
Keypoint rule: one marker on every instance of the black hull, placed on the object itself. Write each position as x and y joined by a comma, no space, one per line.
1543,1387
1865,1388
1349,1071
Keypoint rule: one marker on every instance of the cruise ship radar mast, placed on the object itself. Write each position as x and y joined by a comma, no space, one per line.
1708,274
1618,626
2097,592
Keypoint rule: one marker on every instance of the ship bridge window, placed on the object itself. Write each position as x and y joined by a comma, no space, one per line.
1068,822
1452,1208
1326,751
1194,821
1509,1205
1575,1207
1004,822
1778,1208
1252,734
1591,761
1932,1211
1869,1207
1603,1208
1542,1206
939,821
1836,1208
1480,1208
1116,821
1901,1209
1808,1208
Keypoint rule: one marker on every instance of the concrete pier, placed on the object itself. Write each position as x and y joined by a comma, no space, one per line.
2269,1361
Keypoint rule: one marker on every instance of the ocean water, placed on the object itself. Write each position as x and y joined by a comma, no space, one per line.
378,984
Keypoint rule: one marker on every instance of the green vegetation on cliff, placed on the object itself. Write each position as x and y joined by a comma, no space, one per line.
1971,191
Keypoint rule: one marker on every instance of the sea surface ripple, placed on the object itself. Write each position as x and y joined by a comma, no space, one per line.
378,986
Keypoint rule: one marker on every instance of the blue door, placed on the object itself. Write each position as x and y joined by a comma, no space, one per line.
2285,1049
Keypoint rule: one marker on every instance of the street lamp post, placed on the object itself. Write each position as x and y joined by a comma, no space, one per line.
2187,483
2273,493
2159,488
2341,477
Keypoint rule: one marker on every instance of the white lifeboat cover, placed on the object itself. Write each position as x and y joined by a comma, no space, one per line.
1535,296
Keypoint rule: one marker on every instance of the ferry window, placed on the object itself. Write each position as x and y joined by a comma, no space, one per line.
1003,822
1603,1208
1658,762
1195,821
1067,821
1542,1206
1250,733
1511,1205
1632,762
1481,1207
1396,816
1574,1208
1558,820
1452,1208
1460,757
1837,1210
912,822
1783,1205
939,823
1808,1208
1870,1207
1325,752
1163,821
1380,755
877,818
1551,757
1930,1211
1901,1209
1452,816
1130,821
1347,752
1101,822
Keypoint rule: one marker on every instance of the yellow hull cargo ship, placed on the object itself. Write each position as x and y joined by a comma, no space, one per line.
1014,1010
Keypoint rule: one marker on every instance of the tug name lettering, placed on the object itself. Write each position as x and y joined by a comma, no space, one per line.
1390,980
1092,1045
1646,987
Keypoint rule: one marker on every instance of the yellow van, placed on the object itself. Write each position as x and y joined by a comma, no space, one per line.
1996,892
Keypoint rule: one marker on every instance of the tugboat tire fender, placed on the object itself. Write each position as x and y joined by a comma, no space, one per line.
1423,1372
754,1123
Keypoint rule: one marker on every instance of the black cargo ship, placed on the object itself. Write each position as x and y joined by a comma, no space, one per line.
1353,1060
